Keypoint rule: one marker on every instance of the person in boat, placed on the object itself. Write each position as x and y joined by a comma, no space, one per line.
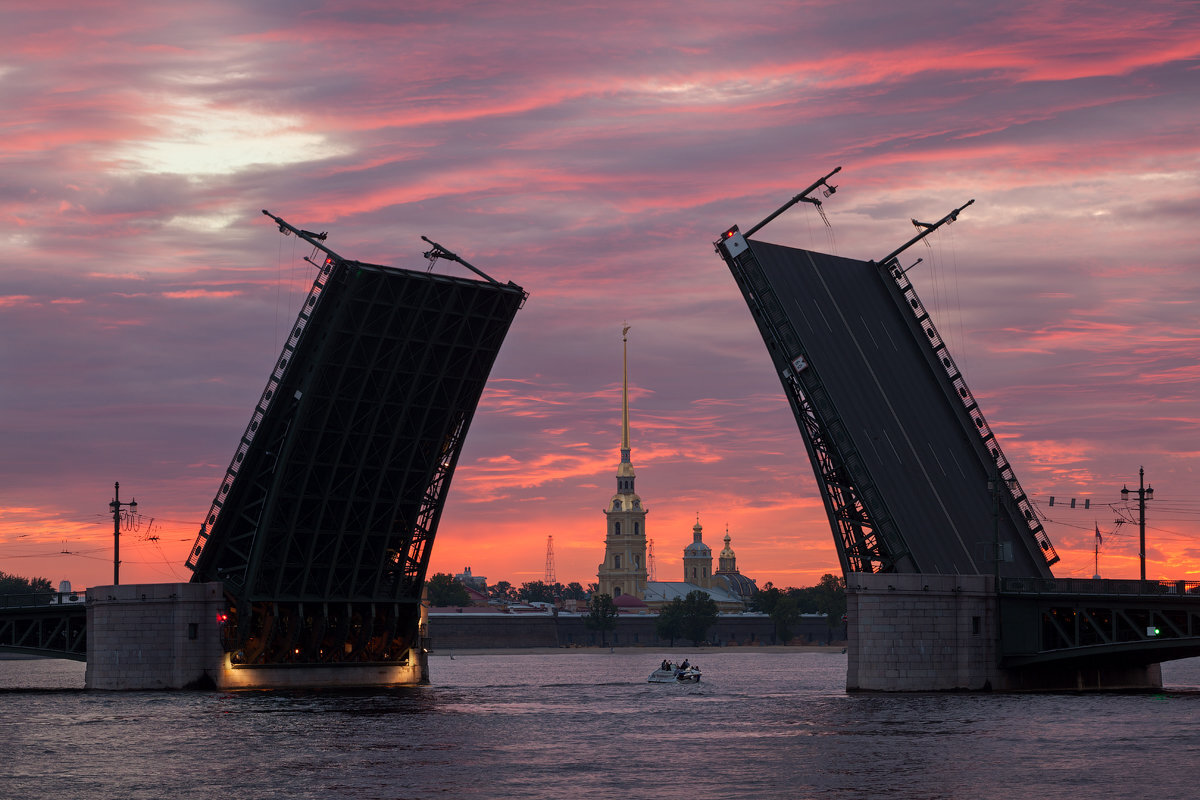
666,665
685,664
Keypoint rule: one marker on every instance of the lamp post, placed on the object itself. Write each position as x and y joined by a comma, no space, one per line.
115,505
1144,493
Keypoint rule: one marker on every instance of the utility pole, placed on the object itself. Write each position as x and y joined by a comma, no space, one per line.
551,579
115,505
1144,493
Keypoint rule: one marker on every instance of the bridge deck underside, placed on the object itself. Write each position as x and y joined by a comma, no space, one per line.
338,496
912,435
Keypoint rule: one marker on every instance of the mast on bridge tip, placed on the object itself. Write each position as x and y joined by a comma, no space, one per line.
925,229
314,239
802,197
733,242
440,252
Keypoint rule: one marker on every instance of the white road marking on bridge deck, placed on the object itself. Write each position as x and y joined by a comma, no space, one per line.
935,458
892,445
867,328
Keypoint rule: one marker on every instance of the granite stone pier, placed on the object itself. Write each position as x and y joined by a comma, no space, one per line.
168,636
931,633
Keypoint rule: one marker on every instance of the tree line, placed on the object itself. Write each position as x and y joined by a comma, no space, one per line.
784,606
688,617
444,590
14,584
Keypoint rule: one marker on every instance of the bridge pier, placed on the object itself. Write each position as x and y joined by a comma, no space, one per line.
168,636
923,633
154,636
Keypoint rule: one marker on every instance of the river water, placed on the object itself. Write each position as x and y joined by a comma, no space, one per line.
584,724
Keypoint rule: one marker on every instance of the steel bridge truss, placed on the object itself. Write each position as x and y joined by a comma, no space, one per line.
866,532
866,536
44,624
322,529
1131,622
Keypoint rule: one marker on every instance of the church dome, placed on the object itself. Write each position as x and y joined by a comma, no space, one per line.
697,549
738,584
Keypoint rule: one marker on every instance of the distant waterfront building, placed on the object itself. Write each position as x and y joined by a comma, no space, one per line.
623,574
478,582
697,575
697,559
727,573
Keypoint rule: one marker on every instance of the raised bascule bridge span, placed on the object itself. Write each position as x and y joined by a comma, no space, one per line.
946,561
309,566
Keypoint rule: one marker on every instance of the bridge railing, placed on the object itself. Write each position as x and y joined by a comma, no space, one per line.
1100,586
987,435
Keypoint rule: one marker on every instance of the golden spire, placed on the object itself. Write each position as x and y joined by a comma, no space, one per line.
625,474
625,393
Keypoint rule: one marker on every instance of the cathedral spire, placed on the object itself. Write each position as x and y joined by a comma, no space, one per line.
625,393
625,473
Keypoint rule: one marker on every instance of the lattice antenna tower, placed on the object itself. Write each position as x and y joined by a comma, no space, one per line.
650,559
550,579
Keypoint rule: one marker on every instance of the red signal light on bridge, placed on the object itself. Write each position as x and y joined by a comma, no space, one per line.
222,618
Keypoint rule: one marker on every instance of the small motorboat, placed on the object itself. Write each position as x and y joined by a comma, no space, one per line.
673,674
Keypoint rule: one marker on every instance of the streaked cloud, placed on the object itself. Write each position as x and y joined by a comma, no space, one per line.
592,154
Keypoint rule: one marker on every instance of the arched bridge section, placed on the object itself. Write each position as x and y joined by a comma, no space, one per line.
322,528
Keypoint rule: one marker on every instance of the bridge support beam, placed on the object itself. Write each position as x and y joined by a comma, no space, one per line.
168,636
922,633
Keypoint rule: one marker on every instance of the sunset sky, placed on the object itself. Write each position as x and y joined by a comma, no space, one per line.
592,153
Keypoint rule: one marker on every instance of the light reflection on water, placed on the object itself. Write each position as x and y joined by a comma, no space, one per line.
587,724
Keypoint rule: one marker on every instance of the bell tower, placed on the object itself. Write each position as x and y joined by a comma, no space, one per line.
624,567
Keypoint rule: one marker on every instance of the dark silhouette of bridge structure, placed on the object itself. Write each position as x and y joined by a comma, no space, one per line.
911,474
321,530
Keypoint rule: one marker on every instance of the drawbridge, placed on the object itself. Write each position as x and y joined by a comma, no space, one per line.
322,528
910,472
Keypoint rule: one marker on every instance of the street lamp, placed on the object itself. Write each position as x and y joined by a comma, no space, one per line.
115,505
1144,493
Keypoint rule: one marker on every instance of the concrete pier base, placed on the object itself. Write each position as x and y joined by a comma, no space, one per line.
930,633
323,676
168,636
154,636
